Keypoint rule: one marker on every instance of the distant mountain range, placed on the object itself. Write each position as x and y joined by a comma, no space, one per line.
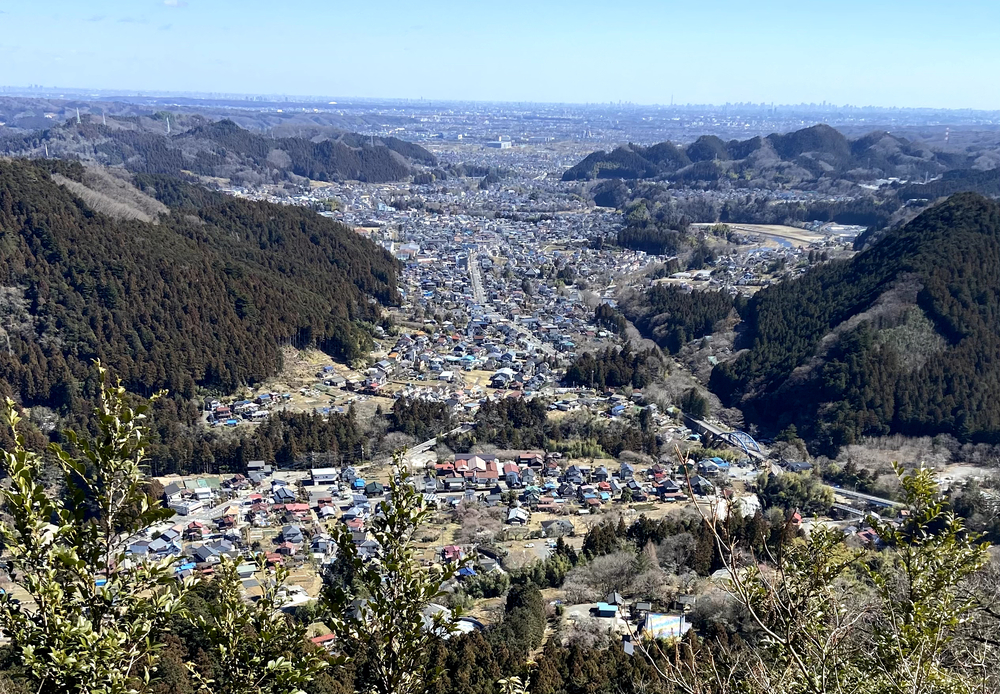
779,159
220,149
903,338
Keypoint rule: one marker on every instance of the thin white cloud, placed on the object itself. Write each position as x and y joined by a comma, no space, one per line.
175,3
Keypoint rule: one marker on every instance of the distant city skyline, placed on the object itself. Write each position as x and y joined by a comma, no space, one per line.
917,54
96,94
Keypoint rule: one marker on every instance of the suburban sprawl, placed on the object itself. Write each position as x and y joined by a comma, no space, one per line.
591,378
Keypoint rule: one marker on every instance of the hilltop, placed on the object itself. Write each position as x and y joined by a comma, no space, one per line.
902,338
801,156
169,284
221,149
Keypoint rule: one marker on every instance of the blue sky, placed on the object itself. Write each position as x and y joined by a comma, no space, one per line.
912,53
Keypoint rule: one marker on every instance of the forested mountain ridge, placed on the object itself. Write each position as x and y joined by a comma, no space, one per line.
903,338
957,181
672,317
802,156
222,149
206,296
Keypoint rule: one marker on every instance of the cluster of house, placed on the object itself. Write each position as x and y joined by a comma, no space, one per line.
542,484
758,266
255,500
201,546
510,285
617,615
440,356
230,414
486,343
185,497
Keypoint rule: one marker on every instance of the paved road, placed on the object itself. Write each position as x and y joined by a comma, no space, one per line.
415,451
478,295
704,426
867,498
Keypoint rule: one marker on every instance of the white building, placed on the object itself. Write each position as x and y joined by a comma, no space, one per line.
325,475
185,508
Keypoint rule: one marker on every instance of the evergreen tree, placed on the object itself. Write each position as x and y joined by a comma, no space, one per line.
89,624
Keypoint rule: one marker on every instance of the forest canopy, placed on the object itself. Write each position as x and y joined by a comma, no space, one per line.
205,296
811,153
903,338
673,317
223,149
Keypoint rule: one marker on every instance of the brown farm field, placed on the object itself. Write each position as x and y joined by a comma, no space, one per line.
794,235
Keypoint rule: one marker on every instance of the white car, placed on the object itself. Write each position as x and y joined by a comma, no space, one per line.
530,545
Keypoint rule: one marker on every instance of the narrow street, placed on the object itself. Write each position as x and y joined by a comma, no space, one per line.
477,281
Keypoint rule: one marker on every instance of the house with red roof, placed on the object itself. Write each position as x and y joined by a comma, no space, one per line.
325,641
296,512
479,469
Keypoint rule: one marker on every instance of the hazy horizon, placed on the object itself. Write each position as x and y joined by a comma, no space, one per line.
99,93
641,52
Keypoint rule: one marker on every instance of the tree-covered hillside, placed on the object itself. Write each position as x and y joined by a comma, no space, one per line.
798,157
206,295
905,337
223,149
957,181
672,317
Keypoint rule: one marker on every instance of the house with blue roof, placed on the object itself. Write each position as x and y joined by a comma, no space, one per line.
161,548
283,495
139,548
723,465
605,610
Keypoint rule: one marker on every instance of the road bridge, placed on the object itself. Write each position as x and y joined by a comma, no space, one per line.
867,498
736,439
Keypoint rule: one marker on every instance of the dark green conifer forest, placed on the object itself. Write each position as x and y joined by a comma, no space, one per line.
200,300
903,338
